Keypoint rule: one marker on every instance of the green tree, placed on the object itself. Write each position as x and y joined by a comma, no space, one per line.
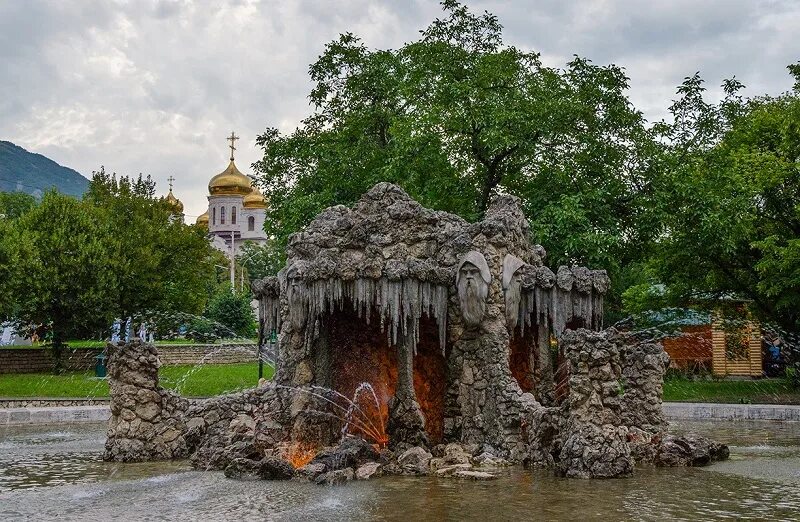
9,268
74,265
458,115
65,272
159,263
233,311
729,200
14,204
259,260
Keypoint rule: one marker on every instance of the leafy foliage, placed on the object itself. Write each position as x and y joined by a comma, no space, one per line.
65,279
728,201
73,266
457,116
259,260
232,310
158,262
14,204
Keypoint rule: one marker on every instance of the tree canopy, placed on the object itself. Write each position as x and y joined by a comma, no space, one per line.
14,204
232,310
702,205
158,262
64,279
70,267
458,115
728,201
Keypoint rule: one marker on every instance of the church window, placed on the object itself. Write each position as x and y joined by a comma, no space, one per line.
251,223
233,215
214,216
222,215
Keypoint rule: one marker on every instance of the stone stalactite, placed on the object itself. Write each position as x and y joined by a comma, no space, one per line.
396,301
545,385
572,296
406,421
268,292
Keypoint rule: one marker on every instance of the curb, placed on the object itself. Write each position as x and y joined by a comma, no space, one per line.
672,411
54,415
730,412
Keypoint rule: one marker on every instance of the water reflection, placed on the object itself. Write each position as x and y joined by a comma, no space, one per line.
49,473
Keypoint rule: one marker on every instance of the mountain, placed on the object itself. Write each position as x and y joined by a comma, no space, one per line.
35,174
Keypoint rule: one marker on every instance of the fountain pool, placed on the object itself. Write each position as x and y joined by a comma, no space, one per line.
57,471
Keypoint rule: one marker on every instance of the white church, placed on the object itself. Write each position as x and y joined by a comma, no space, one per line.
236,209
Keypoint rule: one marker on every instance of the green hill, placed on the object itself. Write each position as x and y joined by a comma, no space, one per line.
25,171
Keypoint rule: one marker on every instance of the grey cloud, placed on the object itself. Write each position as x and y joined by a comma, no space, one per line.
154,86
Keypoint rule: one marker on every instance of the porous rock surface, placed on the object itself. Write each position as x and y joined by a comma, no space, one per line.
390,260
147,422
452,326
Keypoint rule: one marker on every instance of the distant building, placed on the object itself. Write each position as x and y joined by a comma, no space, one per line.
726,342
236,209
175,203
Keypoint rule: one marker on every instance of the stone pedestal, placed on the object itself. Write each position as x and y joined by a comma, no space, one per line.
147,422
595,438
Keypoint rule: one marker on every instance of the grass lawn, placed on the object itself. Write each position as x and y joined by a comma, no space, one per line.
760,391
190,381
214,379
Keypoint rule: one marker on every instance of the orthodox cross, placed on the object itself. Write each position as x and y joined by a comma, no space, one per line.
170,179
232,138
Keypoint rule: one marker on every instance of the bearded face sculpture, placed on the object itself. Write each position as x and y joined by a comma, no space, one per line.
512,289
472,282
296,296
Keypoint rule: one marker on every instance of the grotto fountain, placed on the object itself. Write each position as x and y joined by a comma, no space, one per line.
414,342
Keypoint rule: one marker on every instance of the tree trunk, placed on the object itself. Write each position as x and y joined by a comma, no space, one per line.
486,192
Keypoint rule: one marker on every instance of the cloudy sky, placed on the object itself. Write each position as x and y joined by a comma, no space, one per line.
155,86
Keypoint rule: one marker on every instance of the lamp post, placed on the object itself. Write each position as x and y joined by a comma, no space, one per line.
233,265
242,267
258,348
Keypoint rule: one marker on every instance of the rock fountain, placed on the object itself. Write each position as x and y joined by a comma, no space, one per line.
434,345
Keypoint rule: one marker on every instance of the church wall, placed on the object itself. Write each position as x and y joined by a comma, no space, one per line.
259,214
217,202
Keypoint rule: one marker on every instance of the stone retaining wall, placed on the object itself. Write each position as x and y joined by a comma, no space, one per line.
701,411
40,360
208,353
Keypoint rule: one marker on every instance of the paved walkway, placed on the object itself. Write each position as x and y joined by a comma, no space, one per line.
672,410
53,415
711,411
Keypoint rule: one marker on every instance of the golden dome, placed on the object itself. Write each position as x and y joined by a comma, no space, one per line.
230,182
255,199
202,220
174,202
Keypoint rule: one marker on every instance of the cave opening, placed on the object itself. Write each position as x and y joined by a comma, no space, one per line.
360,352
522,355
430,381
